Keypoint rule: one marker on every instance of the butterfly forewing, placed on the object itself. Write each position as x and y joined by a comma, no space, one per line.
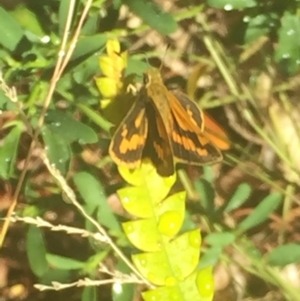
189,143
187,111
129,139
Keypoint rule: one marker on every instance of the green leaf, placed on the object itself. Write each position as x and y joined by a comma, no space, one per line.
131,201
58,149
288,50
85,71
69,128
169,260
10,31
91,25
239,197
220,239
62,16
94,197
64,263
205,283
207,195
3,99
123,292
188,222
92,264
137,201
143,234
261,212
28,20
36,251
136,66
88,46
89,294
8,152
56,275
95,117
197,287
284,255
147,176
258,26
171,214
211,257
177,260
90,189
208,174
232,4
153,15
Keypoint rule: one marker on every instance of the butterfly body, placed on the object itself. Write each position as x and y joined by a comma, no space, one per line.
157,93
165,126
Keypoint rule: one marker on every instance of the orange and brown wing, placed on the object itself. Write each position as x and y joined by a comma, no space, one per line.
158,146
215,133
128,142
190,145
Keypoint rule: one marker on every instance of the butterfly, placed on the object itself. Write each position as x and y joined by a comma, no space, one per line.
166,127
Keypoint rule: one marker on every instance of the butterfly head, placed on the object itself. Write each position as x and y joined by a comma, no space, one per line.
152,76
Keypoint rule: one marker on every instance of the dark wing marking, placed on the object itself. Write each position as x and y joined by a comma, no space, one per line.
127,145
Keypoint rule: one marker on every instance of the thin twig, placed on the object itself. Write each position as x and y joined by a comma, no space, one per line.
72,198
57,286
41,223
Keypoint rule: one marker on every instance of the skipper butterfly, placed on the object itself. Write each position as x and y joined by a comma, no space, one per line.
168,128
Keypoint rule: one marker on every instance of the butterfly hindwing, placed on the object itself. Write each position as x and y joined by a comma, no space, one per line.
192,148
215,133
158,147
129,139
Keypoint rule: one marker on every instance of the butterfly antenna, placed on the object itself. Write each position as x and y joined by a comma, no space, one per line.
163,58
146,58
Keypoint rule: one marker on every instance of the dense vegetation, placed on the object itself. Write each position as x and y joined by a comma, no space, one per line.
70,70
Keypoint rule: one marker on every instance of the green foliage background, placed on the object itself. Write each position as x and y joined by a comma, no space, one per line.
246,208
